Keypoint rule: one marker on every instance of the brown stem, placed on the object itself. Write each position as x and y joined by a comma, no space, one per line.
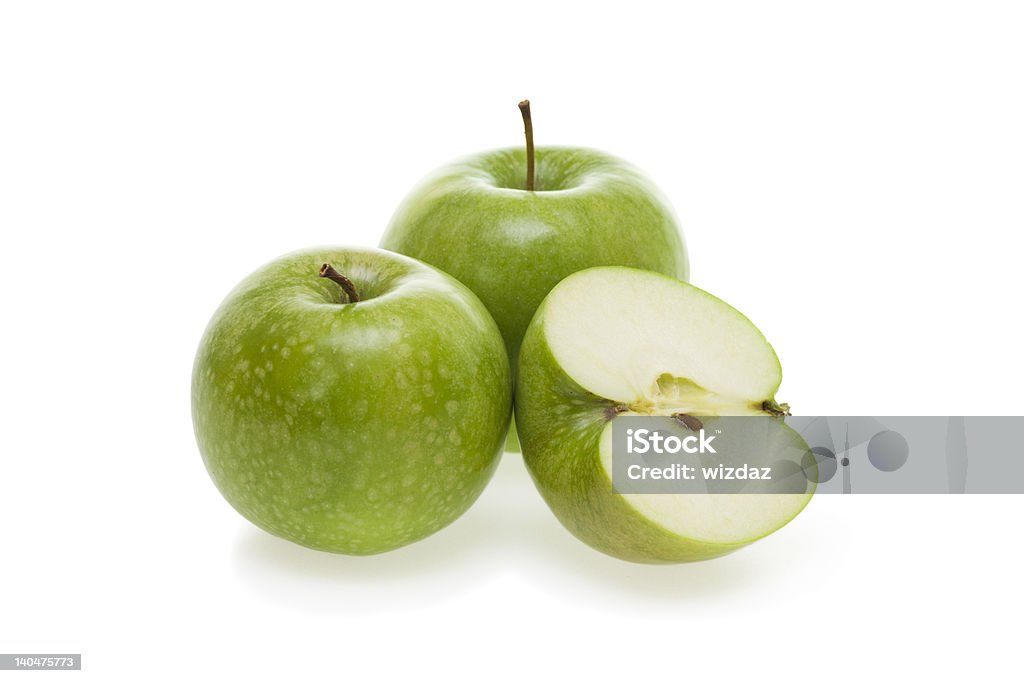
612,411
692,423
328,271
776,409
524,107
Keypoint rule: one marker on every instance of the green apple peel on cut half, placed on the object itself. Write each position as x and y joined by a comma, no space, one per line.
616,341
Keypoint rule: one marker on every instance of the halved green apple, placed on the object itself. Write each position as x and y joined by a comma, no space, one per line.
610,342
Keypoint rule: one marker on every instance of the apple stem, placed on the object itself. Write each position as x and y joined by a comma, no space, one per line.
692,423
776,409
328,271
524,107
612,411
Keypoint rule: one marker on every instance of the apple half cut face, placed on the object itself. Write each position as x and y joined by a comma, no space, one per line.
612,342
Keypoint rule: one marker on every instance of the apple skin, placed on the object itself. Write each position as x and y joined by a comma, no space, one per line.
474,220
560,426
352,428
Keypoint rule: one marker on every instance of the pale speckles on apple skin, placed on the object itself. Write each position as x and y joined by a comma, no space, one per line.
253,426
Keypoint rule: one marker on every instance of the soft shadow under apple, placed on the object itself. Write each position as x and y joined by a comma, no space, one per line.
510,529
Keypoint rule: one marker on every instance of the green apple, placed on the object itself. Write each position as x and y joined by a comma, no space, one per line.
353,407
611,342
511,239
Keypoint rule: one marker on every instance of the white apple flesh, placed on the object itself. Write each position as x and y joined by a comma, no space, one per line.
615,341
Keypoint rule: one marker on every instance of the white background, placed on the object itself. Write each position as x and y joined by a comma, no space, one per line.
849,175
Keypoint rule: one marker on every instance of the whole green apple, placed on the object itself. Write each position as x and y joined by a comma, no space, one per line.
613,342
511,223
351,400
